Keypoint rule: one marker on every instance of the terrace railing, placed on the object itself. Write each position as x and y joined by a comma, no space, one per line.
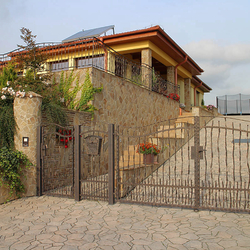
94,53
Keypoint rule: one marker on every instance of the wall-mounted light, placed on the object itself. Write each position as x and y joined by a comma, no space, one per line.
25,141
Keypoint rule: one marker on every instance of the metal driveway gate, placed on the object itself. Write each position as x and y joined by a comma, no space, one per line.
202,164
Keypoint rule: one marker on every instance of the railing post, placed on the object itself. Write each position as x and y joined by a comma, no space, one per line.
39,162
111,162
197,161
77,162
240,105
225,105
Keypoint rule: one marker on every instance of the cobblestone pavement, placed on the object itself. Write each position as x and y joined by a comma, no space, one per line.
58,223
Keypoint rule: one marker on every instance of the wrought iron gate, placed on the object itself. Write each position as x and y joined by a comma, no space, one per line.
94,168
77,161
201,164
55,160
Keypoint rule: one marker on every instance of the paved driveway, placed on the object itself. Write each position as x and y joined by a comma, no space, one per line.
59,223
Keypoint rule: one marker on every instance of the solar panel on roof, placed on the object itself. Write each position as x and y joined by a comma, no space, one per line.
89,33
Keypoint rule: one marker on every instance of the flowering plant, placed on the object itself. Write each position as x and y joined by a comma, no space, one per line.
174,96
65,132
9,93
147,148
210,107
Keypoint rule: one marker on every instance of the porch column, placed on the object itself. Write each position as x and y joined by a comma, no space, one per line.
187,93
146,58
170,74
182,90
170,78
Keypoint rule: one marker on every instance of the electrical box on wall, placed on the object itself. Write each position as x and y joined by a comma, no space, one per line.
25,141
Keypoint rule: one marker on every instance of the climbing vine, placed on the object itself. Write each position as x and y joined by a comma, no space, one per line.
68,92
87,95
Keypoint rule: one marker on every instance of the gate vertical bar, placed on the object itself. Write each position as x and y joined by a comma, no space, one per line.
78,163
39,162
117,174
197,161
111,161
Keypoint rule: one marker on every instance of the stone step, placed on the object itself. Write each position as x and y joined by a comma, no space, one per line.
185,119
172,131
131,156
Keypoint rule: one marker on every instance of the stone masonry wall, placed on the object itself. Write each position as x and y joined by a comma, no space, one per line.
124,103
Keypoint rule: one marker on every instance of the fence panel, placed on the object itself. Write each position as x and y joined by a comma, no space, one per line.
169,178
225,179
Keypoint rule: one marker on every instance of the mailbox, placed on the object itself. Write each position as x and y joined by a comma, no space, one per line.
94,144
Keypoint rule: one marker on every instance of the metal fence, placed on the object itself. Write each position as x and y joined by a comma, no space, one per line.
201,164
233,104
94,53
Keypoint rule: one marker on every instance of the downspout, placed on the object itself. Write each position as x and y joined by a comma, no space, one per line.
195,92
175,72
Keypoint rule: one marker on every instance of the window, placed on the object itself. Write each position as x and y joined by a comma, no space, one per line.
58,66
97,61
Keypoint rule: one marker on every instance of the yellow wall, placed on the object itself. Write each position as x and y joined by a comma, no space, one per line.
157,53
182,90
200,96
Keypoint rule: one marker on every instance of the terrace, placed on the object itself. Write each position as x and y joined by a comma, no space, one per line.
92,52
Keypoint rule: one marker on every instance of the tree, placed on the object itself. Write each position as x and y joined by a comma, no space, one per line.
32,57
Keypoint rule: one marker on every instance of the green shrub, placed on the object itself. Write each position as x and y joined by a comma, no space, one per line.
12,163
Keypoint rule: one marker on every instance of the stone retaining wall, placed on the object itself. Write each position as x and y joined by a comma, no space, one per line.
124,103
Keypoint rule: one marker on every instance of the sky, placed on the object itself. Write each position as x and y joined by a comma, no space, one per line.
214,33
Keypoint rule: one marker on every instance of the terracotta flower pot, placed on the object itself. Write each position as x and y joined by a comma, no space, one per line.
148,159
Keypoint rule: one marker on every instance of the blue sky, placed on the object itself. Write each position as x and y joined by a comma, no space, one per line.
214,33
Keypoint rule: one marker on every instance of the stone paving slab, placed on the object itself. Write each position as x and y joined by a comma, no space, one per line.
59,223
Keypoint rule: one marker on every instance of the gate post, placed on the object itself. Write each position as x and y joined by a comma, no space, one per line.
111,162
77,162
39,162
197,161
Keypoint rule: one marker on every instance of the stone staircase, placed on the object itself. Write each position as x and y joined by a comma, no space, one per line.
130,157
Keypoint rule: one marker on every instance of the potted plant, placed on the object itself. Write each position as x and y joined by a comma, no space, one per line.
210,107
149,150
174,96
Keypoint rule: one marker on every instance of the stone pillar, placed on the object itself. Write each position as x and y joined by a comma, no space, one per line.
146,58
182,90
170,74
187,93
27,112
